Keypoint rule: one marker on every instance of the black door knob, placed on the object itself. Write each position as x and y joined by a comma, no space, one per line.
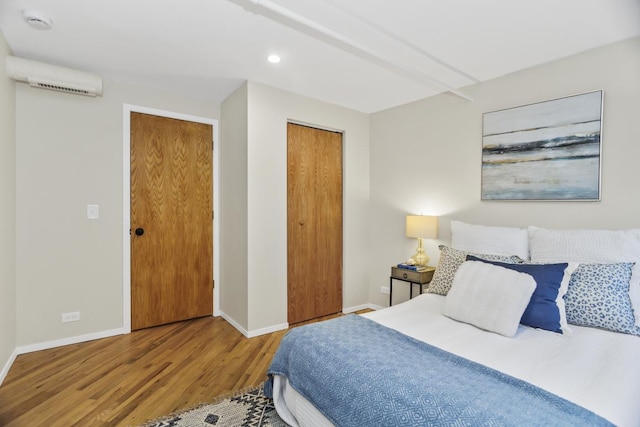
139,231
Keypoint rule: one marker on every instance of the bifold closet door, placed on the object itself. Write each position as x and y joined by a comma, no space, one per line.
314,222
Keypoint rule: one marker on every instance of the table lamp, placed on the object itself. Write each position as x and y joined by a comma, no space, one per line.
421,227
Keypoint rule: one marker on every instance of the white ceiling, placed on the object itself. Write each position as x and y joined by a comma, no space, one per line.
367,55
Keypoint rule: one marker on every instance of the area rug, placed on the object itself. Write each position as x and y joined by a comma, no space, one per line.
250,408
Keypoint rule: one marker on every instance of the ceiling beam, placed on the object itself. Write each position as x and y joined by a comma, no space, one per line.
397,38
348,45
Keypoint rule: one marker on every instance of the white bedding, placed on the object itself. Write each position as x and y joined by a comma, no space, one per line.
596,369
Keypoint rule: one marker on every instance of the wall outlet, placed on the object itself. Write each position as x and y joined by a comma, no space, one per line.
384,290
70,317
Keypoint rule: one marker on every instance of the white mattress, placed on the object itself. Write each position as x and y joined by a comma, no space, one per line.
595,369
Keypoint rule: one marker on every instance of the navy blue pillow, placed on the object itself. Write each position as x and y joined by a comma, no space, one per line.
542,311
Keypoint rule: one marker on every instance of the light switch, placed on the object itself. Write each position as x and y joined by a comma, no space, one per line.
93,212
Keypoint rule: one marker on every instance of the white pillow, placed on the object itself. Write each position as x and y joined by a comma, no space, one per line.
590,246
490,297
490,240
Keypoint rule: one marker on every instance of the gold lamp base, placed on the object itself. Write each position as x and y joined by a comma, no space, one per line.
420,258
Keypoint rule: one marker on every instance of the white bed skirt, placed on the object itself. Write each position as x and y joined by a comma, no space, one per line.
293,408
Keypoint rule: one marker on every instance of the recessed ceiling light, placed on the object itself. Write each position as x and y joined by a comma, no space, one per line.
37,20
274,59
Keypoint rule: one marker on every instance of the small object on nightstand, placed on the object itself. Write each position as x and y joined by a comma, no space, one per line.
412,277
412,267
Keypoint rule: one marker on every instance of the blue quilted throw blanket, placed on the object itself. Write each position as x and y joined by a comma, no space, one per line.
360,373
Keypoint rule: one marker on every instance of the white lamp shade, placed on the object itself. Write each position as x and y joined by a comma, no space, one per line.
422,226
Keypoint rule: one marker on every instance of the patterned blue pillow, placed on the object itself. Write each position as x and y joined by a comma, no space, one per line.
598,297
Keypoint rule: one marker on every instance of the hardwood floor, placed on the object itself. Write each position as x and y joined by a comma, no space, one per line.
130,379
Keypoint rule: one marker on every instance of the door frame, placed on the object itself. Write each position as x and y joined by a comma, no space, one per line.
126,203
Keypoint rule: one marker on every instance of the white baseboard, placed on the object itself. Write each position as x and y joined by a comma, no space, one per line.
256,332
7,366
71,340
282,326
353,309
233,323
268,330
113,332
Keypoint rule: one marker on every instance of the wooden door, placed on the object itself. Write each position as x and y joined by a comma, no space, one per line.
171,220
314,222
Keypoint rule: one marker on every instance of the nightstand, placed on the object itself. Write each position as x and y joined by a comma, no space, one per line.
420,278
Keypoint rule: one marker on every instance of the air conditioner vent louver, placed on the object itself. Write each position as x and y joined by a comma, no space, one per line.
52,77
62,89
59,88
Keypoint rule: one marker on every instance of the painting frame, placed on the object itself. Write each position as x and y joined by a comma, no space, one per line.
544,151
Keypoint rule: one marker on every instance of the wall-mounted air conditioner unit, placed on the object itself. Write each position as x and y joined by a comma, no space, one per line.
52,77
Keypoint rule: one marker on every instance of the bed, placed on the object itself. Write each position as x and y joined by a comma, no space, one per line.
577,365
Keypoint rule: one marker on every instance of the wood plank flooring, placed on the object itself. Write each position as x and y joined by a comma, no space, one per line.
130,379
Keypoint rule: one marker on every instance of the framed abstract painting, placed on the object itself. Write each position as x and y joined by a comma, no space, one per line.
544,151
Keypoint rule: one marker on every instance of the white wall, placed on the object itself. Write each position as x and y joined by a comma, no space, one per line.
69,154
269,110
426,156
422,157
7,215
233,209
